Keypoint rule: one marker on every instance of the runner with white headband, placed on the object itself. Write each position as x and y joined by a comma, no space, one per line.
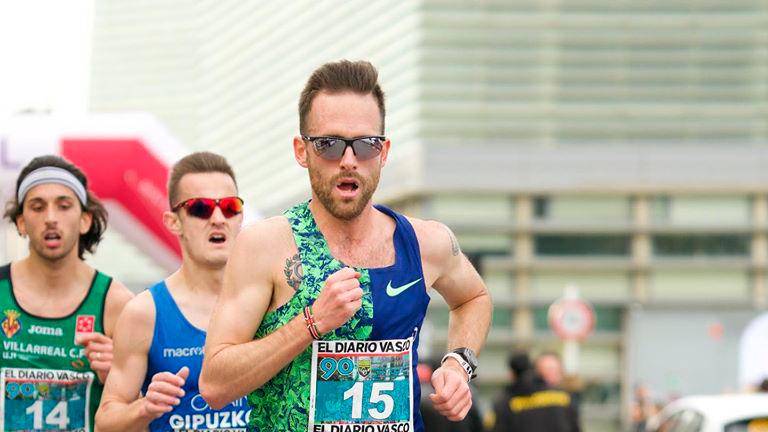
58,313
54,175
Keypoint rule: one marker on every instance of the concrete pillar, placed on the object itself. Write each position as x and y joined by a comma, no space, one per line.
641,247
523,321
759,251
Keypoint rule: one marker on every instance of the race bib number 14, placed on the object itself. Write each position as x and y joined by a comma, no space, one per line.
361,386
44,399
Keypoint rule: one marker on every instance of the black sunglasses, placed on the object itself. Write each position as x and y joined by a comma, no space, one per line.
333,148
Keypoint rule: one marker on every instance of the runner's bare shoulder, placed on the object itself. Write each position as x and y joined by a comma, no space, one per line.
118,297
268,238
436,240
137,321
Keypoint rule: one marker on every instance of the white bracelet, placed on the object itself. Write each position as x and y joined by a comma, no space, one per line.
467,368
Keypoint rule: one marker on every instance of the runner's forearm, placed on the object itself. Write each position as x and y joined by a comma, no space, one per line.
469,323
115,416
232,371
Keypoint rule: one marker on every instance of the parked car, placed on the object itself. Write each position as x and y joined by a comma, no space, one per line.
721,413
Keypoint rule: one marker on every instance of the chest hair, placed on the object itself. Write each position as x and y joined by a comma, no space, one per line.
368,254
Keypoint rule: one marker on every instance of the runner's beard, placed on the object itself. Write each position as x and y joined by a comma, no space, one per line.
343,209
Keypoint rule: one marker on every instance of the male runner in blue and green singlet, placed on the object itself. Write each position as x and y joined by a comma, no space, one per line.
318,321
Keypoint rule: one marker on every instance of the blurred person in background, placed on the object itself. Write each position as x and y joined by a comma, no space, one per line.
763,387
59,313
549,366
643,407
528,404
160,336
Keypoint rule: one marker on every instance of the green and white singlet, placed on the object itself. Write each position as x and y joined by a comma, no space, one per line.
47,382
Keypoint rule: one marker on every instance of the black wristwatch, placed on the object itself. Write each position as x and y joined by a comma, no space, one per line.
466,358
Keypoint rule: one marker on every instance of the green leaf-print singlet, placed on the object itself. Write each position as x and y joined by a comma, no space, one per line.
282,403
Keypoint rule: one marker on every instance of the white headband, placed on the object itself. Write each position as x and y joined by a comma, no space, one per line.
51,174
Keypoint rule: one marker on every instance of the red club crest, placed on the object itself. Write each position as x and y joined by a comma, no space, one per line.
85,323
11,324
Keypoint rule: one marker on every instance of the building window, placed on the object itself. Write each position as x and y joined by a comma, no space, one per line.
691,245
477,257
660,209
592,284
607,318
438,317
601,392
502,317
540,207
710,284
471,208
702,210
581,209
578,245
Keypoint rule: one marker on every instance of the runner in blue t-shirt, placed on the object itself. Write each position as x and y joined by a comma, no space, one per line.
160,337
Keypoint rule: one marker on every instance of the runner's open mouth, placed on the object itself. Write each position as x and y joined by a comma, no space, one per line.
348,186
52,236
217,238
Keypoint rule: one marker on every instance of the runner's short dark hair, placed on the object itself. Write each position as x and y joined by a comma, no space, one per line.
195,163
359,77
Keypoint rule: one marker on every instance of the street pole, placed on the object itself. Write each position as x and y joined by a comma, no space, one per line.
571,347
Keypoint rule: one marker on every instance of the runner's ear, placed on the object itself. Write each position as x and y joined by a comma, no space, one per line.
21,226
172,222
385,152
86,219
300,151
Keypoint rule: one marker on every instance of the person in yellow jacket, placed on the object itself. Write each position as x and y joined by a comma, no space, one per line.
529,404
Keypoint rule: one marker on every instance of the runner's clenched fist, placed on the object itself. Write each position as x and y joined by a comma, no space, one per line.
338,301
98,350
164,392
452,397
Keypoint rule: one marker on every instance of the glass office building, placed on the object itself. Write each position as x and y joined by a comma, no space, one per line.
618,146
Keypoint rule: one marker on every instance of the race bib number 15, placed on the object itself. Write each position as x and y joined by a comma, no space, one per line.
360,386
44,400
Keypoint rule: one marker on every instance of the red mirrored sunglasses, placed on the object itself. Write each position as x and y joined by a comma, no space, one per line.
203,207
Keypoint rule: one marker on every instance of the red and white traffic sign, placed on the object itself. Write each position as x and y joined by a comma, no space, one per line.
571,318
126,157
